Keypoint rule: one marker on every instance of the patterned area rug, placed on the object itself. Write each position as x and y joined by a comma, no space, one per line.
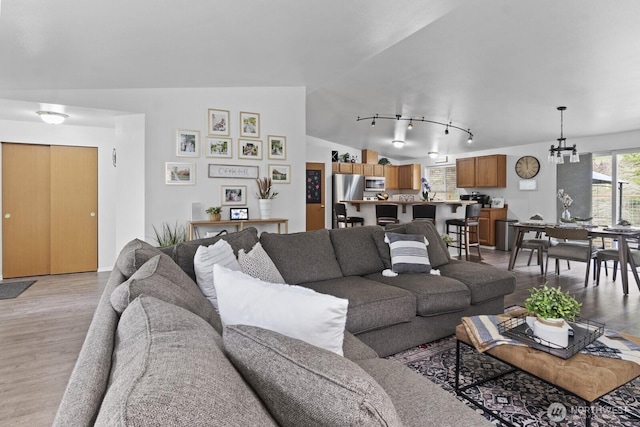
519,398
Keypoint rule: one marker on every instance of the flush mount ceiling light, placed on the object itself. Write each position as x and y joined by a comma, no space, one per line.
432,154
398,117
398,143
51,117
555,153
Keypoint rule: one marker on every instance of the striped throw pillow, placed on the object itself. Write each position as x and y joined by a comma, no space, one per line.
408,253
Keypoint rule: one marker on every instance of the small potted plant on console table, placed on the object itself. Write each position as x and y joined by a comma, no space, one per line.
552,307
214,213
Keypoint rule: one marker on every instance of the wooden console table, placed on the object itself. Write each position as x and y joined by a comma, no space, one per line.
238,224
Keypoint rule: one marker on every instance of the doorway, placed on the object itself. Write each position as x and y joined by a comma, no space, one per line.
315,194
50,209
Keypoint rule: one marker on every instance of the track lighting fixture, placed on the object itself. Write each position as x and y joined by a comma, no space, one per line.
399,117
555,153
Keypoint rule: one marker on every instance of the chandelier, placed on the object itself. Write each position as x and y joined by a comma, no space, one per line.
398,117
555,153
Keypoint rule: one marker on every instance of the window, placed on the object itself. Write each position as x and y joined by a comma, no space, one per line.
443,182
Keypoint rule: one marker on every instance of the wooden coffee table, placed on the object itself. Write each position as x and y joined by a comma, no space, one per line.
585,376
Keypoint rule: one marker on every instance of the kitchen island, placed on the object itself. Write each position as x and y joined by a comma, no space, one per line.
454,204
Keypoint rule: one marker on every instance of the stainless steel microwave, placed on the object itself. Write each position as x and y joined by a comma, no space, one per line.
374,183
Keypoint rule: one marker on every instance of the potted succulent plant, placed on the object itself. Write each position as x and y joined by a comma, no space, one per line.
214,213
265,196
552,307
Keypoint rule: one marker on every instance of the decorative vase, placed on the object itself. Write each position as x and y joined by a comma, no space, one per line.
265,208
215,217
553,332
566,215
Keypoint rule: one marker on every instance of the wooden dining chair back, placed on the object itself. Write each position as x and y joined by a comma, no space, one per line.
571,244
340,210
386,213
466,230
424,212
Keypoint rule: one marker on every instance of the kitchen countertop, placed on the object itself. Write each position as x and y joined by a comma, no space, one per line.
453,203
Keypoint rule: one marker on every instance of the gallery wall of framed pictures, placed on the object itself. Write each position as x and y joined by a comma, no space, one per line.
240,144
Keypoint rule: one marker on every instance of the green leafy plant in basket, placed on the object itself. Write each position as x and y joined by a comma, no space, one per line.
552,303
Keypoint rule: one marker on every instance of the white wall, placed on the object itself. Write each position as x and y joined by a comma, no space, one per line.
282,112
102,138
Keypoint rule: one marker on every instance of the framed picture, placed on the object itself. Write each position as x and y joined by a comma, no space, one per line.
250,149
218,147
277,146
188,143
233,171
249,125
234,195
280,174
238,213
497,202
218,121
180,173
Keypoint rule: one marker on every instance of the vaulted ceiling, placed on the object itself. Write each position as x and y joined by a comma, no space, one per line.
497,67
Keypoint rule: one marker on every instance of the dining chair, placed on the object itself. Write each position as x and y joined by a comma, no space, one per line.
386,214
422,212
571,244
465,228
537,245
613,254
340,210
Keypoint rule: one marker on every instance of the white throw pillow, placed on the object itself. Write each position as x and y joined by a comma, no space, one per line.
257,263
294,311
203,262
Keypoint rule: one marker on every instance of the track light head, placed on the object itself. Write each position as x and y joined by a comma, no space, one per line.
410,124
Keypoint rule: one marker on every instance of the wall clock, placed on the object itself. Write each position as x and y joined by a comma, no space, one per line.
527,167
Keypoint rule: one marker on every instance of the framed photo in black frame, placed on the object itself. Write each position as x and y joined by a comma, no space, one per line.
238,213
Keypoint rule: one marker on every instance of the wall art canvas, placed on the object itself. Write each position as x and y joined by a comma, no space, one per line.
277,146
218,147
187,143
314,186
180,173
250,149
218,121
280,174
234,195
249,125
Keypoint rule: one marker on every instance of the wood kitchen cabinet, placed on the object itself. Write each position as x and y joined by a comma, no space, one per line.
488,217
368,169
345,167
357,168
378,170
391,177
466,172
370,157
483,171
409,177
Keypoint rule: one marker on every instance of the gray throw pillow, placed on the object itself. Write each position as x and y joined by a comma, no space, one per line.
161,278
133,255
304,385
408,253
169,370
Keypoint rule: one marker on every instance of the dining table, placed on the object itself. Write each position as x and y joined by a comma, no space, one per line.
619,233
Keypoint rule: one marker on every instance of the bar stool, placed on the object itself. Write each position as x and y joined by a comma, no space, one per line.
386,214
340,210
465,228
422,212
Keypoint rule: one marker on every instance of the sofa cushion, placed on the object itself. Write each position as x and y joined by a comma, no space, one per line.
256,263
203,262
183,253
356,251
418,401
169,369
133,255
434,294
304,385
438,251
484,281
302,257
161,278
408,253
372,305
290,310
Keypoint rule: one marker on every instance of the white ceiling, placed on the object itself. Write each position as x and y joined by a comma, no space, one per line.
498,67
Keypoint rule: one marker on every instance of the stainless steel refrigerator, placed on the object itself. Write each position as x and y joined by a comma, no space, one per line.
347,187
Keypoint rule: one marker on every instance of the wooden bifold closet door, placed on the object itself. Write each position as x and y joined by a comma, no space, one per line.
50,216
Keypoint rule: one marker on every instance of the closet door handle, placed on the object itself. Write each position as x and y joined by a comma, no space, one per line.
92,214
7,215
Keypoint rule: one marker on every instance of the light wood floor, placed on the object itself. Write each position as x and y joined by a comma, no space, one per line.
42,330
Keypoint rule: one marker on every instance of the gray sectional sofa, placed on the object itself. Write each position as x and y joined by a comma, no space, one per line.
156,352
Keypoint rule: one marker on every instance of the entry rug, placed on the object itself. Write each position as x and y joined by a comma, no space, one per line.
519,398
10,290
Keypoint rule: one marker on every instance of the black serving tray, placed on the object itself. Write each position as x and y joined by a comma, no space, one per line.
585,332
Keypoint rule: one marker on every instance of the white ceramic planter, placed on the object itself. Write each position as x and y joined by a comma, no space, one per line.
265,208
554,335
